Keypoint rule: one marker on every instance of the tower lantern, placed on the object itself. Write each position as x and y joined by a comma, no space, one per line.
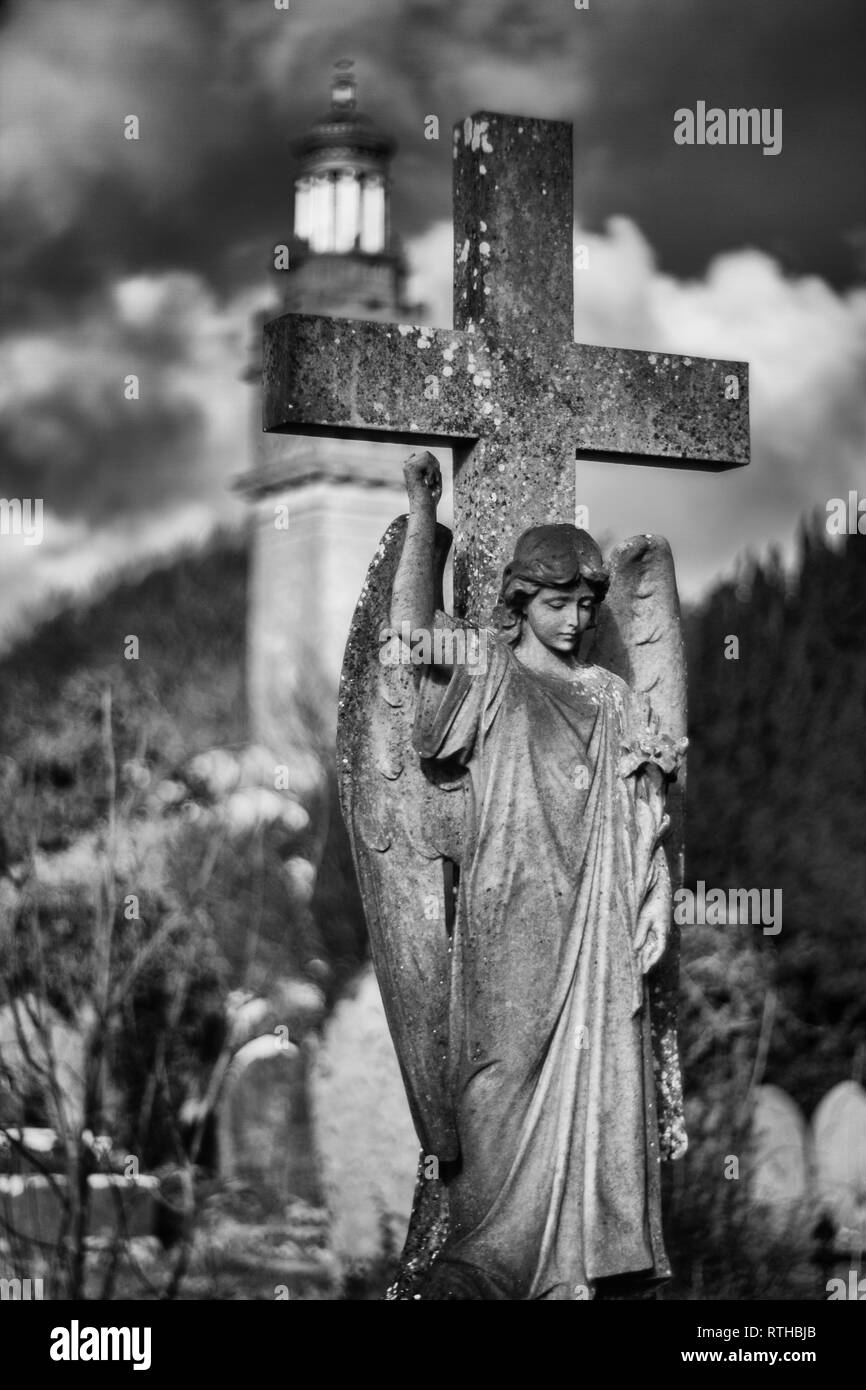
342,190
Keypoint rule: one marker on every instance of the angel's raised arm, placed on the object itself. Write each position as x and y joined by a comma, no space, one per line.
413,605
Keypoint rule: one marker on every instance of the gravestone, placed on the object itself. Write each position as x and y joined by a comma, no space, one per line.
779,1160
363,1130
263,1123
839,1140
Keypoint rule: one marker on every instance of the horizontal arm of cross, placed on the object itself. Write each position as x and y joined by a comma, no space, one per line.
365,380
659,408
403,383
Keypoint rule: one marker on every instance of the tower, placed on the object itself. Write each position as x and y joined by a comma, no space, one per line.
321,506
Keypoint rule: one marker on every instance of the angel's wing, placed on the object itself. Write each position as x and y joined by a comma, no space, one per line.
639,638
405,823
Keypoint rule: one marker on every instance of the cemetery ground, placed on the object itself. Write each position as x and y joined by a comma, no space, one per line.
741,1216
242,1248
245,1248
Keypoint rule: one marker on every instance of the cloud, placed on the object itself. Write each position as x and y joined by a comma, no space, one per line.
123,478
70,74
806,346
71,430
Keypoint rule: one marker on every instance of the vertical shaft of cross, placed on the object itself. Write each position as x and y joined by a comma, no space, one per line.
513,287
513,194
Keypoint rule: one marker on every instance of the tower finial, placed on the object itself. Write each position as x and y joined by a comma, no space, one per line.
343,86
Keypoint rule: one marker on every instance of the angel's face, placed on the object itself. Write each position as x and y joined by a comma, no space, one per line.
558,616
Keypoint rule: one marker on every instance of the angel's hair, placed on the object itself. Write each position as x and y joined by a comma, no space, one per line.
547,557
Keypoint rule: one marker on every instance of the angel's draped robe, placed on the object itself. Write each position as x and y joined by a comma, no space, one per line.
550,1070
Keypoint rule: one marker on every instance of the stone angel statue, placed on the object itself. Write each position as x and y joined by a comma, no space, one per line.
515,817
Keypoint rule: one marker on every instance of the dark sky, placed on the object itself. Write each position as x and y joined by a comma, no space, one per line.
149,256
221,87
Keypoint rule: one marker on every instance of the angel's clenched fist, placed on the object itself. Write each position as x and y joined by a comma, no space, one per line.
423,477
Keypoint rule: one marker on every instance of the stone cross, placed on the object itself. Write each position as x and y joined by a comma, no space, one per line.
507,388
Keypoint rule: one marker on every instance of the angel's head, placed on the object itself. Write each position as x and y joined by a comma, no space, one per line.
554,584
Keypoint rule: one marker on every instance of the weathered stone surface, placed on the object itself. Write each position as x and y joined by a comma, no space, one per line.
406,817
639,637
345,377
513,212
507,387
263,1120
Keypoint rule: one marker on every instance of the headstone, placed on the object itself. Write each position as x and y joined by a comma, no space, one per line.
263,1124
363,1131
779,1165
839,1140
